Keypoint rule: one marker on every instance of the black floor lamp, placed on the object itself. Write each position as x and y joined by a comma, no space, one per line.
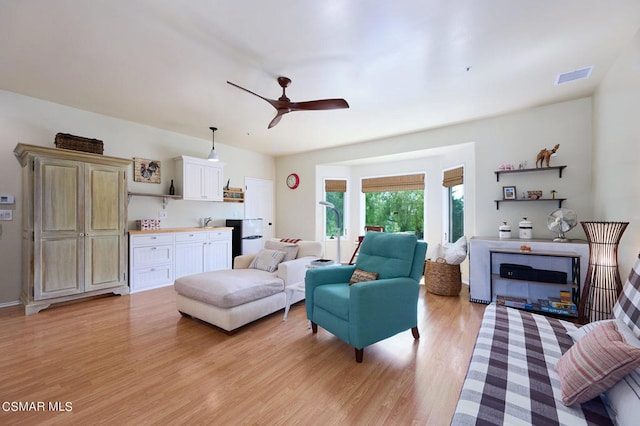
602,284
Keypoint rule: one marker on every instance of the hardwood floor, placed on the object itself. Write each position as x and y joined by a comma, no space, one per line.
135,360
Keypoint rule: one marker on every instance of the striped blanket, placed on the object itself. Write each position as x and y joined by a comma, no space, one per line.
512,378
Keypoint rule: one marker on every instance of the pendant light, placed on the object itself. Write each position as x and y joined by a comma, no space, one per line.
213,155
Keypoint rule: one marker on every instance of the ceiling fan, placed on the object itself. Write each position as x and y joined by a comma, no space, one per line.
284,105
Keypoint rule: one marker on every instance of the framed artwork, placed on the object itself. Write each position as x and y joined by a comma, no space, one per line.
145,170
534,195
508,192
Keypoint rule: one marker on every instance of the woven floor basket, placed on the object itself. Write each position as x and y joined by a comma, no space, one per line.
442,278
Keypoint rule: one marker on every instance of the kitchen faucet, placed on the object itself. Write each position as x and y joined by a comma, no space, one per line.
207,221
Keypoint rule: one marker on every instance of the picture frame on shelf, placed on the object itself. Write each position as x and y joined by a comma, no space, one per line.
534,195
508,192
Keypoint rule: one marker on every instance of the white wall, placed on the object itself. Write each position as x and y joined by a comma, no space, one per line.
35,122
509,138
616,174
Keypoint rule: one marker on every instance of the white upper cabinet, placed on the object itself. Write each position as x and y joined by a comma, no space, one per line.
198,179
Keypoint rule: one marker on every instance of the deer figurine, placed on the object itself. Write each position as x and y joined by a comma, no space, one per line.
545,155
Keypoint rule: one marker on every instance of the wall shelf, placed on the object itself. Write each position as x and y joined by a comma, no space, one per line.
165,197
541,169
233,195
559,200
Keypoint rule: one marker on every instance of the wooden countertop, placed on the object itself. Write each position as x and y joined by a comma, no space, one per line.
158,231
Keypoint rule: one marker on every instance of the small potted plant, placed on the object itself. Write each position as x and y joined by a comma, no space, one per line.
553,194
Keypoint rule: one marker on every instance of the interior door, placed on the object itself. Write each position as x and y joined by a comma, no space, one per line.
258,203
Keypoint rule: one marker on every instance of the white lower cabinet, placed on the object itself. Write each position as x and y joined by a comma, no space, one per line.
217,251
151,259
190,253
157,259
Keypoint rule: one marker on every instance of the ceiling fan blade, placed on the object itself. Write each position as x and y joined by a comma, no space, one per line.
277,118
274,103
283,104
320,104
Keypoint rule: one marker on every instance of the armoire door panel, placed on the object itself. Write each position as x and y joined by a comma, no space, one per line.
103,254
103,198
59,272
60,196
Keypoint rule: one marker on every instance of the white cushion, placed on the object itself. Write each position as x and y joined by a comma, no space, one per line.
229,287
455,253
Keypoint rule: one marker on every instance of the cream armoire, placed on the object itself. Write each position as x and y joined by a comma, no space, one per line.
74,225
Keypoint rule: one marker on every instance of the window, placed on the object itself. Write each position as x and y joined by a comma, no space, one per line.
456,212
335,191
454,185
396,203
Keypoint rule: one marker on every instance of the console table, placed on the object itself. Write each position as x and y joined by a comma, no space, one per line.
533,290
480,261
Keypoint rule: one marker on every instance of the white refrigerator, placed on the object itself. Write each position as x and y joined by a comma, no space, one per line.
246,237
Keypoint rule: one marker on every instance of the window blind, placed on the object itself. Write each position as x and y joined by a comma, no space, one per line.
335,185
393,183
453,177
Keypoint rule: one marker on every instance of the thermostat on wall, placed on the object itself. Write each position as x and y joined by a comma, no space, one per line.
6,199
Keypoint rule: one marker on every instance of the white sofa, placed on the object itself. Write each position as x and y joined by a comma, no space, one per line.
234,297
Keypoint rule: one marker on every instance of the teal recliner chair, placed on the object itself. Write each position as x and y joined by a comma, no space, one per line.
367,312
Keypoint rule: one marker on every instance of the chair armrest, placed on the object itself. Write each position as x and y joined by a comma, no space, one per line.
243,261
382,308
292,271
316,277
329,275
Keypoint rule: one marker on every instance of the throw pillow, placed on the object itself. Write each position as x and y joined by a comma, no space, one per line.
456,253
290,240
267,260
291,250
627,308
623,398
595,363
628,335
359,276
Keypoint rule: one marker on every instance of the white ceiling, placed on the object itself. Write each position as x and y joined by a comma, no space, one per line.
401,65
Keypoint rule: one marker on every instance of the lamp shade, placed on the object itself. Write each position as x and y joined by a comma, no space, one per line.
602,284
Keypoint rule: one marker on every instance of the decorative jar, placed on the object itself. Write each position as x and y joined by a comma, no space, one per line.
526,229
504,231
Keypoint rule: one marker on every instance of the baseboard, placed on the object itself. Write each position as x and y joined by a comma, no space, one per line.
6,305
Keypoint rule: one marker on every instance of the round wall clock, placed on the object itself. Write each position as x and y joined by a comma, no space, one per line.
293,180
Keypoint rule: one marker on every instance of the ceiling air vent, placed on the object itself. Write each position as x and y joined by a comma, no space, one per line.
574,75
